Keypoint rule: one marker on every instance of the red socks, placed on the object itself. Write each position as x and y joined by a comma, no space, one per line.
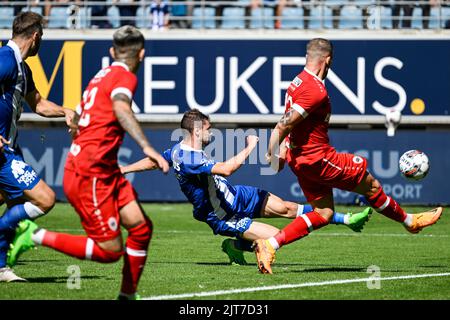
135,255
300,227
387,206
80,247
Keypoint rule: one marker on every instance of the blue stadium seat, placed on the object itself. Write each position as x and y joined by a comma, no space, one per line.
233,18
292,18
143,17
261,18
114,16
351,18
58,18
320,17
439,17
6,17
380,17
416,22
207,21
84,18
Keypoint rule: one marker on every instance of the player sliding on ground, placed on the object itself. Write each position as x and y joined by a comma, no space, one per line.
317,165
93,184
229,210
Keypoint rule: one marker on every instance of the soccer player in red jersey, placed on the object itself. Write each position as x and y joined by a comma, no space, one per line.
93,183
317,165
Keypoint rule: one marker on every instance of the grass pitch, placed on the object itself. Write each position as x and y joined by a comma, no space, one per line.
185,259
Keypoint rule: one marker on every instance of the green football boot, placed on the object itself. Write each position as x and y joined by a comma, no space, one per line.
22,241
357,220
236,256
136,296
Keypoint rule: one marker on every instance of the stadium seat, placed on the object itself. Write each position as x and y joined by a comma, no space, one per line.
203,18
261,18
380,17
292,18
351,18
6,17
114,16
143,17
58,18
84,18
233,18
439,16
320,17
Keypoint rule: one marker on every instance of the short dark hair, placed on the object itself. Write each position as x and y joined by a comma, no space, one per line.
319,47
127,41
191,117
26,23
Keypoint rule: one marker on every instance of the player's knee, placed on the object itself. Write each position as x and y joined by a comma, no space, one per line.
109,256
327,214
46,201
141,234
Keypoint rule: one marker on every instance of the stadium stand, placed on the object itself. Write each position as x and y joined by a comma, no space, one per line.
242,14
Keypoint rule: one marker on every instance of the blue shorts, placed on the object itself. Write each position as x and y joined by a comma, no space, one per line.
247,205
15,175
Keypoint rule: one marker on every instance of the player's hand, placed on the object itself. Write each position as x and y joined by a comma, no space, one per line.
3,142
69,114
161,163
252,141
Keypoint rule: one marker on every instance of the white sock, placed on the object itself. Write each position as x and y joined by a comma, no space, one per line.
409,219
32,211
300,209
274,243
38,236
346,219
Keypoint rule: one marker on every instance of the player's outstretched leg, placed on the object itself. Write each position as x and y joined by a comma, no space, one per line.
423,219
235,255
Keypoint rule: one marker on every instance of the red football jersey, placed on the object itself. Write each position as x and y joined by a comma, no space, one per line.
94,149
308,141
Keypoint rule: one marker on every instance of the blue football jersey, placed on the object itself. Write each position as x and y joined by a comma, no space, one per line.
209,194
16,81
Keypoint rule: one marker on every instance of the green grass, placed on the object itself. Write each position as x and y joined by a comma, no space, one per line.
185,257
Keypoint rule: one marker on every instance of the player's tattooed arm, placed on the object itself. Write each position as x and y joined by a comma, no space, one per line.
284,126
141,165
126,118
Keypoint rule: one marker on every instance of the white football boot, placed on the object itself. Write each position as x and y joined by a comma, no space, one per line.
8,275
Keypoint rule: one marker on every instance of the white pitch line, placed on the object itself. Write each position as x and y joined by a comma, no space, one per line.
290,286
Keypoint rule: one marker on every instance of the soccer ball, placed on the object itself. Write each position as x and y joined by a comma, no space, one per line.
414,165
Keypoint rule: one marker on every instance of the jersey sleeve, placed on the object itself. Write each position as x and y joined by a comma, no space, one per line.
125,83
167,156
307,99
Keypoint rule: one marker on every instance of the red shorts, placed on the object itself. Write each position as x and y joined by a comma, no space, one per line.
98,201
336,170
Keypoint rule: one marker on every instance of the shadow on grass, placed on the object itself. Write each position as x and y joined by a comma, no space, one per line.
59,279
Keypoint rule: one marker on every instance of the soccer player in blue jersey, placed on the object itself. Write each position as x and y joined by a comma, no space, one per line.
229,210
25,194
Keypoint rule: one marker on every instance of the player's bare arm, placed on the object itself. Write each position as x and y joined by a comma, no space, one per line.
126,118
230,166
48,109
141,165
287,122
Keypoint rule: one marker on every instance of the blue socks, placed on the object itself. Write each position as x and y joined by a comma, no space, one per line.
12,217
338,217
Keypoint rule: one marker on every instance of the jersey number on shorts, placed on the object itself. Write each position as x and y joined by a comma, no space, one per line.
88,102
